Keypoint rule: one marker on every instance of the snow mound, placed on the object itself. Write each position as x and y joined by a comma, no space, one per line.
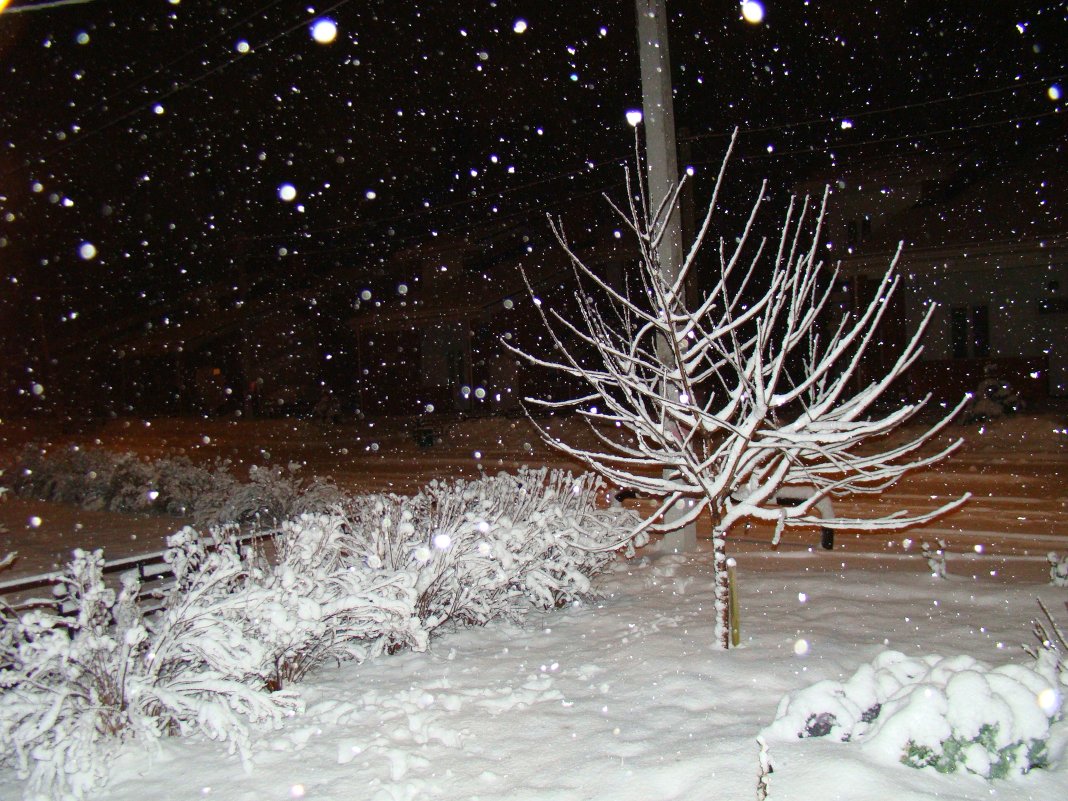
954,714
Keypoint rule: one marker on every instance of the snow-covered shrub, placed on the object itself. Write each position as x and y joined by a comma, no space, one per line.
179,485
314,602
1058,569
954,714
63,685
271,495
212,496
75,688
492,547
76,476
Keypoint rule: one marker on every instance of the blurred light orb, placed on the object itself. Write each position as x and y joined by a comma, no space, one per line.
87,250
801,647
370,194
37,389
242,46
442,541
287,192
753,12
634,117
324,30
520,26
1049,701
1054,92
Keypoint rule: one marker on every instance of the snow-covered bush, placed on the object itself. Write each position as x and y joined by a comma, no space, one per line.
954,714
1058,569
271,494
75,688
180,487
99,479
493,547
92,479
313,601
211,496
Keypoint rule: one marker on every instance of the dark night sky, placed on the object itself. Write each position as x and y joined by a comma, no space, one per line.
142,128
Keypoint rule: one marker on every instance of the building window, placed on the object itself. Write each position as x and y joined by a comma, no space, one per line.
858,230
969,332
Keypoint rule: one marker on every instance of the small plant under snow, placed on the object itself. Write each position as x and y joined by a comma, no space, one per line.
953,714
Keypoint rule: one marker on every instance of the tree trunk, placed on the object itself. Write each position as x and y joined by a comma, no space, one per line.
722,581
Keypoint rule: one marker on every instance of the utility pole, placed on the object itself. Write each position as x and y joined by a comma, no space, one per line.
658,114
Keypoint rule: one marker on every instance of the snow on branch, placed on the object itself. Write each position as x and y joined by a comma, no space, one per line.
725,398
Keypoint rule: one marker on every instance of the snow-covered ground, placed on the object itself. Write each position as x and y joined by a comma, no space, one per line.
623,699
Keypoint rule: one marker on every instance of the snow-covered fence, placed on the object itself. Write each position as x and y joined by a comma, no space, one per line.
151,569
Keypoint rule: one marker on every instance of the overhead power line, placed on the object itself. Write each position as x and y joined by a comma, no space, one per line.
837,118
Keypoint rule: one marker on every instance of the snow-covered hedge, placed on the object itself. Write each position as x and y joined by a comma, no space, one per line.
238,626
954,714
100,479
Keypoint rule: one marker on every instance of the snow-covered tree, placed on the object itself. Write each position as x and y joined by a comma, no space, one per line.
746,393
